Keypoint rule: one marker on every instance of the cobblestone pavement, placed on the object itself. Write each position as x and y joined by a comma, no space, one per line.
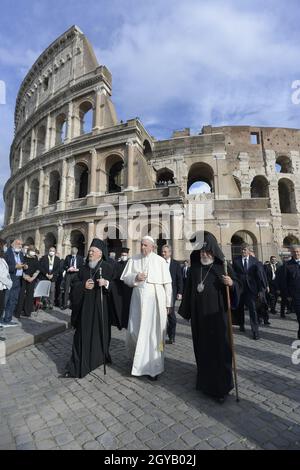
39,410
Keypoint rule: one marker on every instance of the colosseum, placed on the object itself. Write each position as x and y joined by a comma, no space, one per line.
77,172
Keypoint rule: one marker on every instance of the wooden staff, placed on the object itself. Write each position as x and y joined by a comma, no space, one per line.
103,325
229,318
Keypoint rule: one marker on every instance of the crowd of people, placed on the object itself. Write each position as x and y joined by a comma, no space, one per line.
139,293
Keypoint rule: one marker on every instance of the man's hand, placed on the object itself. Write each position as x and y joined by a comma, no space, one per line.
260,295
25,266
179,297
268,290
140,277
89,284
169,310
102,282
20,266
227,281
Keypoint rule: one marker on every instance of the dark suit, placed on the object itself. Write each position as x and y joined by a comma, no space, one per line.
70,276
253,282
12,295
185,271
272,297
44,269
291,285
280,284
177,288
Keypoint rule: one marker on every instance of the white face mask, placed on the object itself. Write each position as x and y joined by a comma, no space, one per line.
5,249
31,253
124,258
17,250
51,253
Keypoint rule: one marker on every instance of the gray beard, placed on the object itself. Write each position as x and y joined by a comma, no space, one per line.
93,264
207,262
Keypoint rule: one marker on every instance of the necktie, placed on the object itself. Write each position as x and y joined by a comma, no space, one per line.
73,262
245,265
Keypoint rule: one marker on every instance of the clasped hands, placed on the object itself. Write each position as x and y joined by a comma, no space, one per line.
90,283
141,277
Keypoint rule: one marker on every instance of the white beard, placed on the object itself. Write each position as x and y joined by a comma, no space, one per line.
206,262
93,264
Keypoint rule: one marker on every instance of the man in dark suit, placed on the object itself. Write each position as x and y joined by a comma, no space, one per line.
15,260
271,273
72,264
185,271
291,281
49,271
177,287
251,275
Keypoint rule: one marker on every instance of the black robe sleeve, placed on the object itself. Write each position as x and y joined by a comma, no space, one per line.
185,306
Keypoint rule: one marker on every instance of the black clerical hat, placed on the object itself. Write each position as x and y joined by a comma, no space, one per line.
124,249
101,245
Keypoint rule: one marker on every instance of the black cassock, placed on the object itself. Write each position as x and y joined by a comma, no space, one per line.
208,314
88,344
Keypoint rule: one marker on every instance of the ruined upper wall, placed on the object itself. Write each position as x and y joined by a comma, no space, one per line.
66,60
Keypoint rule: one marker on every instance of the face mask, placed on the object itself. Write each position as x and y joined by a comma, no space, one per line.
51,253
124,258
17,250
5,249
31,253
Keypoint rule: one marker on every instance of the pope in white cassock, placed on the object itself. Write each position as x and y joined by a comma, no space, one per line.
150,278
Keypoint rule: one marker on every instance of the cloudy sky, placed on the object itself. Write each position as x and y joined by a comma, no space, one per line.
175,63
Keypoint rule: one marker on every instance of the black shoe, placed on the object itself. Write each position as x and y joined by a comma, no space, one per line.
170,341
267,322
273,312
66,375
220,400
153,379
255,336
242,328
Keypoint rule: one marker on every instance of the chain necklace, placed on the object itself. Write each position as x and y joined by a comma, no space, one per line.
201,285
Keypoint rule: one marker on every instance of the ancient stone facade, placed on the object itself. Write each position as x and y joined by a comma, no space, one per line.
77,172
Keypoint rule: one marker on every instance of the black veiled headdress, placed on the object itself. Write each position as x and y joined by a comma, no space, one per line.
207,242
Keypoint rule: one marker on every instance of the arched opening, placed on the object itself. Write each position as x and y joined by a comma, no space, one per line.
54,187
115,174
78,240
240,237
287,198
259,187
41,140
164,177
86,116
34,194
290,240
29,241
16,161
26,150
200,179
283,164
49,241
113,240
20,199
61,129
81,180
147,150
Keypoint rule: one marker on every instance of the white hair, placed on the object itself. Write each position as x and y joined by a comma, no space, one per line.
150,239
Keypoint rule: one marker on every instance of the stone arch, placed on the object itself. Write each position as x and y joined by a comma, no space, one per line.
114,168
290,240
60,128
200,178
86,116
77,239
259,187
29,241
54,187
49,241
20,199
40,139
240,237
283,164
113,238
287,199
26,151
34,194
81,174
147,149
164,177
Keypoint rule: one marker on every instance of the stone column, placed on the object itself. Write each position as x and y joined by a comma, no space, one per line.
90,234
48,134
69,122
21,155
93,172
13,208
60,235
25,200
63,186
33,145
131,145
41,191
37,239
97,116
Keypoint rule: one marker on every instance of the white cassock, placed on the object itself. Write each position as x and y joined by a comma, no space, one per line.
145,336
